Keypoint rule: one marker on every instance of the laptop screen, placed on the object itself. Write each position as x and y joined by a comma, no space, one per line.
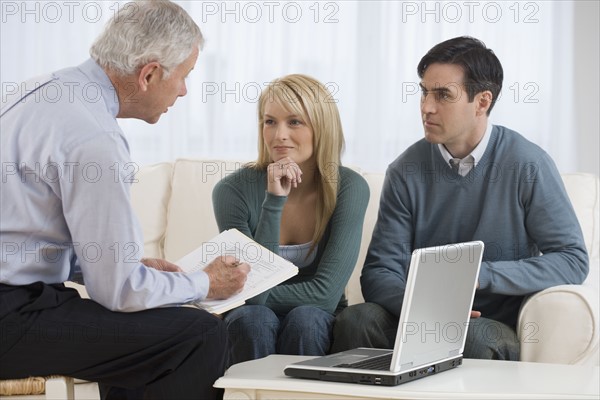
437,304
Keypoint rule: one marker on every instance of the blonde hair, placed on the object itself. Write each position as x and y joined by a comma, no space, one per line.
309,98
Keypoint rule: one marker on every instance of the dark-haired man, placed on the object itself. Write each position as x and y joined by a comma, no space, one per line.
467,180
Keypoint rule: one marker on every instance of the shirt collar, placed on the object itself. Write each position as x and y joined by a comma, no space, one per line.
97,76
477,152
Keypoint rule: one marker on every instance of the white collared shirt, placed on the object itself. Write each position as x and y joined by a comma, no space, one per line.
466,164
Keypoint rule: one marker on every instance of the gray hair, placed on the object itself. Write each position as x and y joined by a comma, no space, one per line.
146,31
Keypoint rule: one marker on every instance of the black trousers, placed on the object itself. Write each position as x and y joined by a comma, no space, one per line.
167,353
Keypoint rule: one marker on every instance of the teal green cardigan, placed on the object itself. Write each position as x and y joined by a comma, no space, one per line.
241,201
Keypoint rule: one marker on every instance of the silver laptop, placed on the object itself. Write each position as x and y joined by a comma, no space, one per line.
432,329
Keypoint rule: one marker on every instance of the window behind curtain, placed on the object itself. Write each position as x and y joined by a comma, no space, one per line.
366,52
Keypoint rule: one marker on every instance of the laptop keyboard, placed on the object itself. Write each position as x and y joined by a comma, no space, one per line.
381,363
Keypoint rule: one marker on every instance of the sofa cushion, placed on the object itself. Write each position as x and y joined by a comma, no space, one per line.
190,216
150,198
375,182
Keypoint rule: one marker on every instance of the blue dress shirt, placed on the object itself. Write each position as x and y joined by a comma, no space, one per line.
65,201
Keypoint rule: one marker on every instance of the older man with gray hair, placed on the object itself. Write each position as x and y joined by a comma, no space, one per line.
66,211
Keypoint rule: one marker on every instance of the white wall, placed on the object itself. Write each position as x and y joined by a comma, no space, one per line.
587,84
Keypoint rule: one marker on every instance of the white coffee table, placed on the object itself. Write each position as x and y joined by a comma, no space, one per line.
475,379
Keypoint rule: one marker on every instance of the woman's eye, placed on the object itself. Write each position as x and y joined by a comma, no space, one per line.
269,122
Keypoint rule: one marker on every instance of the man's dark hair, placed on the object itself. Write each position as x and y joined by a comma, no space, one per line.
481,67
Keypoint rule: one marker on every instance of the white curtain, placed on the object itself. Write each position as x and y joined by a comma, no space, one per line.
366,52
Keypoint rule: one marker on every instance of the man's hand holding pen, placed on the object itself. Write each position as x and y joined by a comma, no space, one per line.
227,277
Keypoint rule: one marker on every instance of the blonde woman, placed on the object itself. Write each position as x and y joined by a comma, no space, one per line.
298,201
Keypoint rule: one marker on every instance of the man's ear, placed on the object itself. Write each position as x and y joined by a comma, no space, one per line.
484,101
149,74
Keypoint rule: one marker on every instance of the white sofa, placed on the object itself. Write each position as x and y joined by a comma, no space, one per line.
557,325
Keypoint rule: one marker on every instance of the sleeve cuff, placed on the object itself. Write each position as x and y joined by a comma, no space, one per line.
485,278
273,202
201,284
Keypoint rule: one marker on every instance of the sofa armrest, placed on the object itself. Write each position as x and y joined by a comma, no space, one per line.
560,325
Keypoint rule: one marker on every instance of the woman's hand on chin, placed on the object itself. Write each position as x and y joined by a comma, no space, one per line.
282,176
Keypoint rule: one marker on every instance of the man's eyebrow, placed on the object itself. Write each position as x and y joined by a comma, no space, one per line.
435,88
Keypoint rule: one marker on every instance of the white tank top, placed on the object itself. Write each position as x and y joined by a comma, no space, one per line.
296,254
